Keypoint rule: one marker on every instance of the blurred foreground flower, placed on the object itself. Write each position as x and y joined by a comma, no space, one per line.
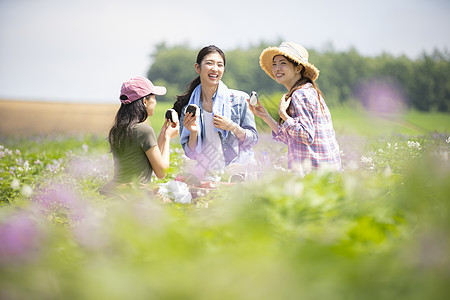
60,203
20,238
27,190
382,98
415,145
83,167
15,184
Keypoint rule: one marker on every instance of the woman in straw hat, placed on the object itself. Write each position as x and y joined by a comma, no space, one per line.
305,122
136,151
223,130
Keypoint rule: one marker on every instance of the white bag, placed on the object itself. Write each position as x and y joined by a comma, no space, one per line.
176,190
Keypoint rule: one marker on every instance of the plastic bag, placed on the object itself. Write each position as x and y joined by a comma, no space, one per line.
176,190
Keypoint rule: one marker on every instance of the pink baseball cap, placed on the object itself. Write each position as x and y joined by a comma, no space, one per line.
138,87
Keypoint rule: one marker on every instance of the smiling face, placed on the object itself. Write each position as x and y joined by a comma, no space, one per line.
285,72
210,69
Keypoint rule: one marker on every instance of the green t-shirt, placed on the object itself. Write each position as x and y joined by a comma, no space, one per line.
132,164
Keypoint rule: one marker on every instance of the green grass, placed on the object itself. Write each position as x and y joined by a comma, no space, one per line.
347,120
378,230
357,121
158,116
366,233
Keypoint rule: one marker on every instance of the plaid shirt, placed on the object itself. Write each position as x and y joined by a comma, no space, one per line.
309,134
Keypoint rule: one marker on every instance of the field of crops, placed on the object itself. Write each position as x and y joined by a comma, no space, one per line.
378,230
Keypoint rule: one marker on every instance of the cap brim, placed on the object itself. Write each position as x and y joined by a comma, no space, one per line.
159,90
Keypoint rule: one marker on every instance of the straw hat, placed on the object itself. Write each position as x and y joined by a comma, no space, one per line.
294,52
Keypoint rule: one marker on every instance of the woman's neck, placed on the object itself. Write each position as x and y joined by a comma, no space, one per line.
289,85
208,92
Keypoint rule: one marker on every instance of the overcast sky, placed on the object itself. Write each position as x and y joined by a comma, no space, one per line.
82,50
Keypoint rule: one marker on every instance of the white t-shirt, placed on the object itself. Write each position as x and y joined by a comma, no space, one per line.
212,147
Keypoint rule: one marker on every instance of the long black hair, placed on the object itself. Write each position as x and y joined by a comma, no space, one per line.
127,117
298,84
183,100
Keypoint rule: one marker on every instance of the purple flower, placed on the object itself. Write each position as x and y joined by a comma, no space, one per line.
19,238
382,98
82,167
60,200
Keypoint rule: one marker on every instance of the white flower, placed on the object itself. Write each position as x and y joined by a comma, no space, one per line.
26,166
27,190
55,166
415,145
448,140
366,160
85,147
15,184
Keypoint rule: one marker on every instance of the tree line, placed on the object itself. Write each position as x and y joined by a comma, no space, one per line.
424,82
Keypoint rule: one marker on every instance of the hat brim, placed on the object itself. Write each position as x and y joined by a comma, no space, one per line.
266,60
159,90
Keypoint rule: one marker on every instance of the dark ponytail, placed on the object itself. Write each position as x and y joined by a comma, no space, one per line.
183,99
297,85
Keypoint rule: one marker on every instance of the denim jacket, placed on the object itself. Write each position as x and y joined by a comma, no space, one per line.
234,150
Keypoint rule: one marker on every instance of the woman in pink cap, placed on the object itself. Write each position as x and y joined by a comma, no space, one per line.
136,151
305,122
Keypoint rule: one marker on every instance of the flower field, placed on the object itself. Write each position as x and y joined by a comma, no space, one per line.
378,230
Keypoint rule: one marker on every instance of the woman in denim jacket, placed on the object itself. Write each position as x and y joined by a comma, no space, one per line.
223,130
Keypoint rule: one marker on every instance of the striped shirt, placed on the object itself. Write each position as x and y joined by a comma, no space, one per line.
309,134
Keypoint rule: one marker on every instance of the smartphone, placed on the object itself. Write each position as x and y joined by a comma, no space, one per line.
192,108
254,98
172,115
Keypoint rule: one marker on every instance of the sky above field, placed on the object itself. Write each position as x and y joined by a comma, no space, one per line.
82,50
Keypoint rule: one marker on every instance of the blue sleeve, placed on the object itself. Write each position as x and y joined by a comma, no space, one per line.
247,123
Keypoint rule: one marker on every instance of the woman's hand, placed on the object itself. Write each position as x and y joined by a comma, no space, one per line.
258,110
190,122
222,122
171,129
283,106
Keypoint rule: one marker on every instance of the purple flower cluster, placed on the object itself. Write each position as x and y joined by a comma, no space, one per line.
60,201
382,98
20,238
